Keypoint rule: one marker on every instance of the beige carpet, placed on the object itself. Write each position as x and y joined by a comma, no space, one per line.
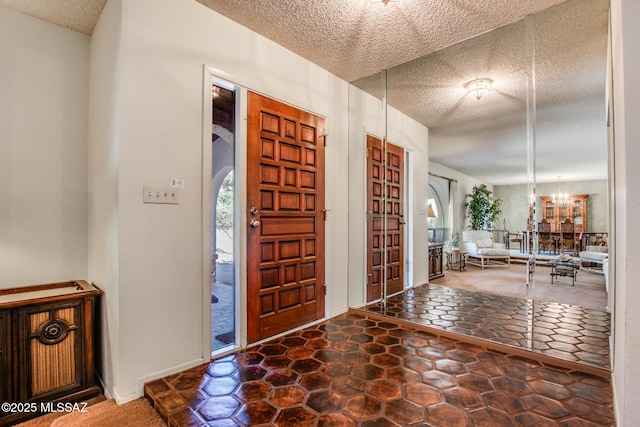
107,413
589,290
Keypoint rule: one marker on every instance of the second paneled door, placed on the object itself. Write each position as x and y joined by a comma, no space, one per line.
385,218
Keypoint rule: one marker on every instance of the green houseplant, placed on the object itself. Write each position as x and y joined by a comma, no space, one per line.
481,208
452,244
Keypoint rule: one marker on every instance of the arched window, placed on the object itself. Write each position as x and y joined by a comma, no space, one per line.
436,220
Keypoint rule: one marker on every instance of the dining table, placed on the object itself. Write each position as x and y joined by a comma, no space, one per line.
584,239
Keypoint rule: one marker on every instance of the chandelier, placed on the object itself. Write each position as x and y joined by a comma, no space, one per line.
561,199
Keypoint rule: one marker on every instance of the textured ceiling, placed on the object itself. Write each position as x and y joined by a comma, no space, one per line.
355,39
565,46
77,15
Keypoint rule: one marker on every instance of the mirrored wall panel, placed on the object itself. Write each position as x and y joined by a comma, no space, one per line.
489,151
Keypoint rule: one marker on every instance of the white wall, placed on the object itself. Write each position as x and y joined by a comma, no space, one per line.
626,95
44,74
103,158
157,271
465,186
367,116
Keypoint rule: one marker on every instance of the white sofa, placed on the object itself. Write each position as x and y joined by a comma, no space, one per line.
594,255
483,252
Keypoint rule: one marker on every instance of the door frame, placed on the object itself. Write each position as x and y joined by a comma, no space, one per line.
240,190
240,214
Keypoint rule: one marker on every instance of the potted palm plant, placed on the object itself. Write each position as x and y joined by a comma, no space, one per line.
481,208
452,245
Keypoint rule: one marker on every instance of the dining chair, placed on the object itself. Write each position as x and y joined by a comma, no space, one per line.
544,236
510,237
567,237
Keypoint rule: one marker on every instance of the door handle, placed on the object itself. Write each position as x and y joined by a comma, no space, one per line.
254,223
253,210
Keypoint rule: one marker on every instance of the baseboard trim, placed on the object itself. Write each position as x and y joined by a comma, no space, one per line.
121,400
105,390
141,381
338,313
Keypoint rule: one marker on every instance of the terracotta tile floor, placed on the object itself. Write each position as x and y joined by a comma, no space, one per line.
567,332
358,370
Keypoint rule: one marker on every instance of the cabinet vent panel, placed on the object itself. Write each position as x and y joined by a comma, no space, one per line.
53,366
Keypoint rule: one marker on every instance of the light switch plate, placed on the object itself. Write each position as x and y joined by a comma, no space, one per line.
160,194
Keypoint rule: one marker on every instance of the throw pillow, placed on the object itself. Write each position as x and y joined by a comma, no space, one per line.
484,243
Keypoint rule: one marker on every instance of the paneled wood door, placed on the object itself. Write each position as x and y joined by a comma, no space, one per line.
285,201
385,195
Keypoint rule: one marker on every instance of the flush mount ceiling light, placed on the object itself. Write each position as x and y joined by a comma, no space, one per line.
385,2
478,87
215,92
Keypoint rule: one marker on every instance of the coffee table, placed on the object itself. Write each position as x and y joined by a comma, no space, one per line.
565,268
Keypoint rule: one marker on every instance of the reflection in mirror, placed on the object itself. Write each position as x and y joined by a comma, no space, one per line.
367,117
543,116
436,214
387,197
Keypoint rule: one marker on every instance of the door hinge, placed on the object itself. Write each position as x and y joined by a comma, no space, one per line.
324,212
324,287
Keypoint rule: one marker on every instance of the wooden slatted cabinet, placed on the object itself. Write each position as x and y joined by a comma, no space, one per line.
48,345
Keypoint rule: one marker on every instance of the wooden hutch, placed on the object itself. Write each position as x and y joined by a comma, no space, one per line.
575,210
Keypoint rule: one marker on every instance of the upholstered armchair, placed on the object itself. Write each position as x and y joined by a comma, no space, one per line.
483,252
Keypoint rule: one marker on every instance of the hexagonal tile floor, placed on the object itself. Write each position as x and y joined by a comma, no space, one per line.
358,370
563,331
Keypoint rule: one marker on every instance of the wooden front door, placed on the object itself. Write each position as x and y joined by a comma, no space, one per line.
285,230
380,184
